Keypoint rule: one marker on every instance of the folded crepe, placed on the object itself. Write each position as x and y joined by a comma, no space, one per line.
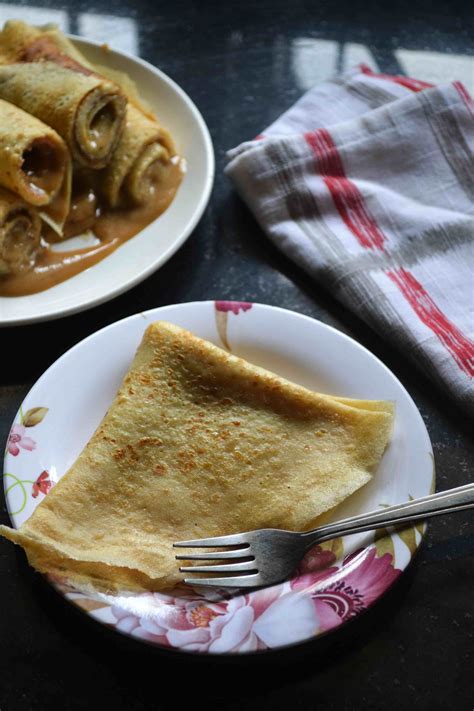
20,234
34,163
197,443
86,109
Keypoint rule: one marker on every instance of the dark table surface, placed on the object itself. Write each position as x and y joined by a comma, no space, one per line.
243,63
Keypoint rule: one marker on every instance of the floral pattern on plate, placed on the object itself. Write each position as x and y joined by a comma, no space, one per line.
212,621
18,440
222,311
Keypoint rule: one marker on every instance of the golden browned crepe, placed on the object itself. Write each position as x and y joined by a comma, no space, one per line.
197,443
20,234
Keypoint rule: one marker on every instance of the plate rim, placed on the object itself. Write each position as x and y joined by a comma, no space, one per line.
300,316
54,314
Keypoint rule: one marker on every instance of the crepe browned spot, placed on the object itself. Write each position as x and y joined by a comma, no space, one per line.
197,443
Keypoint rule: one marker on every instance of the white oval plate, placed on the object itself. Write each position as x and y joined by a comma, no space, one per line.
336,581
153,246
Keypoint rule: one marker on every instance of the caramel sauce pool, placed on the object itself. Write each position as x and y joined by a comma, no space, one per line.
112,227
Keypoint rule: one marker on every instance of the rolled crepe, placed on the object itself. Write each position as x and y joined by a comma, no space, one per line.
144,151
86,110
20,41
33,157
20,234
34,163
140,163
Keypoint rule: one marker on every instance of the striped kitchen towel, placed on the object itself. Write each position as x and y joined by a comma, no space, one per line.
368,183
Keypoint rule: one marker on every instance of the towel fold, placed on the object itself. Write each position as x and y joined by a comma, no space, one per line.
367,182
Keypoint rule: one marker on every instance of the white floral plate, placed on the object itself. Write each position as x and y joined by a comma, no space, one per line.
155,244
336,581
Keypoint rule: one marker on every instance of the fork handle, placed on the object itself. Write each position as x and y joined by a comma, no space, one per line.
448,501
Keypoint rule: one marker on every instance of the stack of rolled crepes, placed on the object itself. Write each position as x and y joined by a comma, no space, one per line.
60,113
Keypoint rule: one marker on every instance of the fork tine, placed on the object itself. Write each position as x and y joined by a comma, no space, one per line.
239,581
222,555
234,540
231,568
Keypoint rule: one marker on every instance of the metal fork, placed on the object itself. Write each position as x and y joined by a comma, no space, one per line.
268,556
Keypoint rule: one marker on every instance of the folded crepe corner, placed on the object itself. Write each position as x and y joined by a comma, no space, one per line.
197,443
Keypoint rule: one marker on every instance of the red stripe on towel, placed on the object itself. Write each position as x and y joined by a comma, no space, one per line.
460,347
465,96
349,202
347,197
407,82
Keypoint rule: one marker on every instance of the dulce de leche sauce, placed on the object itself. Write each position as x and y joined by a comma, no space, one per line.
112,227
